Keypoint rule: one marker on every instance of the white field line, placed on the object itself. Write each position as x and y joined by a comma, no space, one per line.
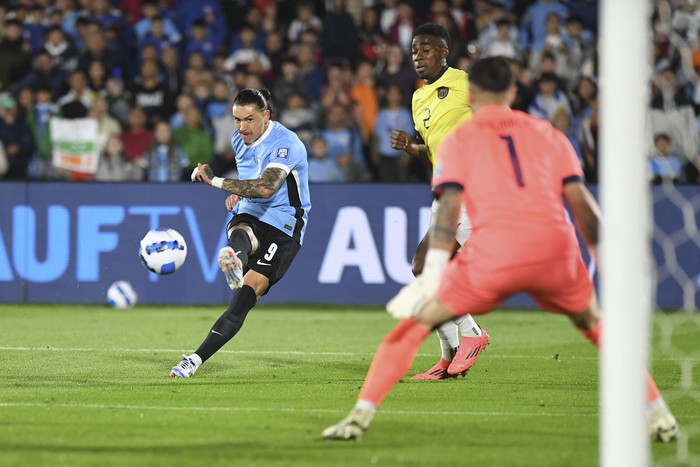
179,408
297,352
251,352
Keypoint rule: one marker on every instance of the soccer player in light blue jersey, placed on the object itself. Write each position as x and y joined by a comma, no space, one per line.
270,203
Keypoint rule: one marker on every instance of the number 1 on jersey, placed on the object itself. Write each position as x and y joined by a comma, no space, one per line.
514,160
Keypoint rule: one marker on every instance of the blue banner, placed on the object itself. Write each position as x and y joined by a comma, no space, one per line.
67,242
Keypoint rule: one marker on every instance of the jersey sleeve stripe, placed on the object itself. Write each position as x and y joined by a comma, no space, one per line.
573,179
295,202
439,189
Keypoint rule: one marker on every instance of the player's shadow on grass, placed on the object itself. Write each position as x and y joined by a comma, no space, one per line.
251,366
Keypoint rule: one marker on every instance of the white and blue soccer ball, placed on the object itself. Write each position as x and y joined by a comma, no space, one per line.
163,251
121,295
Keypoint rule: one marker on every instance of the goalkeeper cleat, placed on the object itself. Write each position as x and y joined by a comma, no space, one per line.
232,267
184,369
349,431
662,424
439,371
469,350
352,427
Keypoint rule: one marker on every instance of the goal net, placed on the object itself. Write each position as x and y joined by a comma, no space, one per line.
650,253
676,296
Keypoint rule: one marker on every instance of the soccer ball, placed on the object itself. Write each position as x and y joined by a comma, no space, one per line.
163,251
121,295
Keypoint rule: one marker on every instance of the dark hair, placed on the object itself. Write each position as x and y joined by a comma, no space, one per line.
554,13
54,28
549,76
433,29
82,21
319,137
257,97
503,22
42,87
574,19
74,109
659,136
77,71
491,74
549,55
298,93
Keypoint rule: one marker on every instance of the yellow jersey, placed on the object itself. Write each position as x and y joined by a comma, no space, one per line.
440,106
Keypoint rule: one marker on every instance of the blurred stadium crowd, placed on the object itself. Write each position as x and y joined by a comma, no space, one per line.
159,76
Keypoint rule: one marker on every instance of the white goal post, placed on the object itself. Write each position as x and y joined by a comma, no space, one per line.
625,245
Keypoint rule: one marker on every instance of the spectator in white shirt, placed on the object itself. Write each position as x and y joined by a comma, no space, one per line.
550,99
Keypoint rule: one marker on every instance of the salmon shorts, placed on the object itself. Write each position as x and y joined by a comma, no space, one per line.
560,286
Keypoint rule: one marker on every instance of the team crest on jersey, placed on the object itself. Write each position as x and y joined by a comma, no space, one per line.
442,92
283,153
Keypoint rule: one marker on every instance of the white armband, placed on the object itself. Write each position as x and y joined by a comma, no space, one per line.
217,182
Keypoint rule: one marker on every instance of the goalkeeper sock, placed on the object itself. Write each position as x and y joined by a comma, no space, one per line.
392,360
593,335
449,339
653,393
365,405
467,326
229,323
240,243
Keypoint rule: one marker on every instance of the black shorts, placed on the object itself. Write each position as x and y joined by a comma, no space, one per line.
275,253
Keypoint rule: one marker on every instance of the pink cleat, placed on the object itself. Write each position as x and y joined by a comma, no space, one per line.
469,349
439,371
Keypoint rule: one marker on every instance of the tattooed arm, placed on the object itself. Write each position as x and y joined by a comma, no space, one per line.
264,187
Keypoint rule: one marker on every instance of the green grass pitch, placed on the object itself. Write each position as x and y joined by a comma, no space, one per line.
89,386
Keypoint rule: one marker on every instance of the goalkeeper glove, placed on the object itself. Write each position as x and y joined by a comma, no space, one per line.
411,298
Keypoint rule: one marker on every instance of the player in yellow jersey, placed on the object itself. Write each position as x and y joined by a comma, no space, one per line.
438,107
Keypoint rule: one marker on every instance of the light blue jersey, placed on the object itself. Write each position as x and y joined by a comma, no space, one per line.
288,209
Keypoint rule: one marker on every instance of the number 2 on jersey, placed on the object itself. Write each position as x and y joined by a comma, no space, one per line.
514,160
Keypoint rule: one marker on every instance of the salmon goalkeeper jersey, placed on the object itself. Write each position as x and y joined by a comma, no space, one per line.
512,168
440,106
